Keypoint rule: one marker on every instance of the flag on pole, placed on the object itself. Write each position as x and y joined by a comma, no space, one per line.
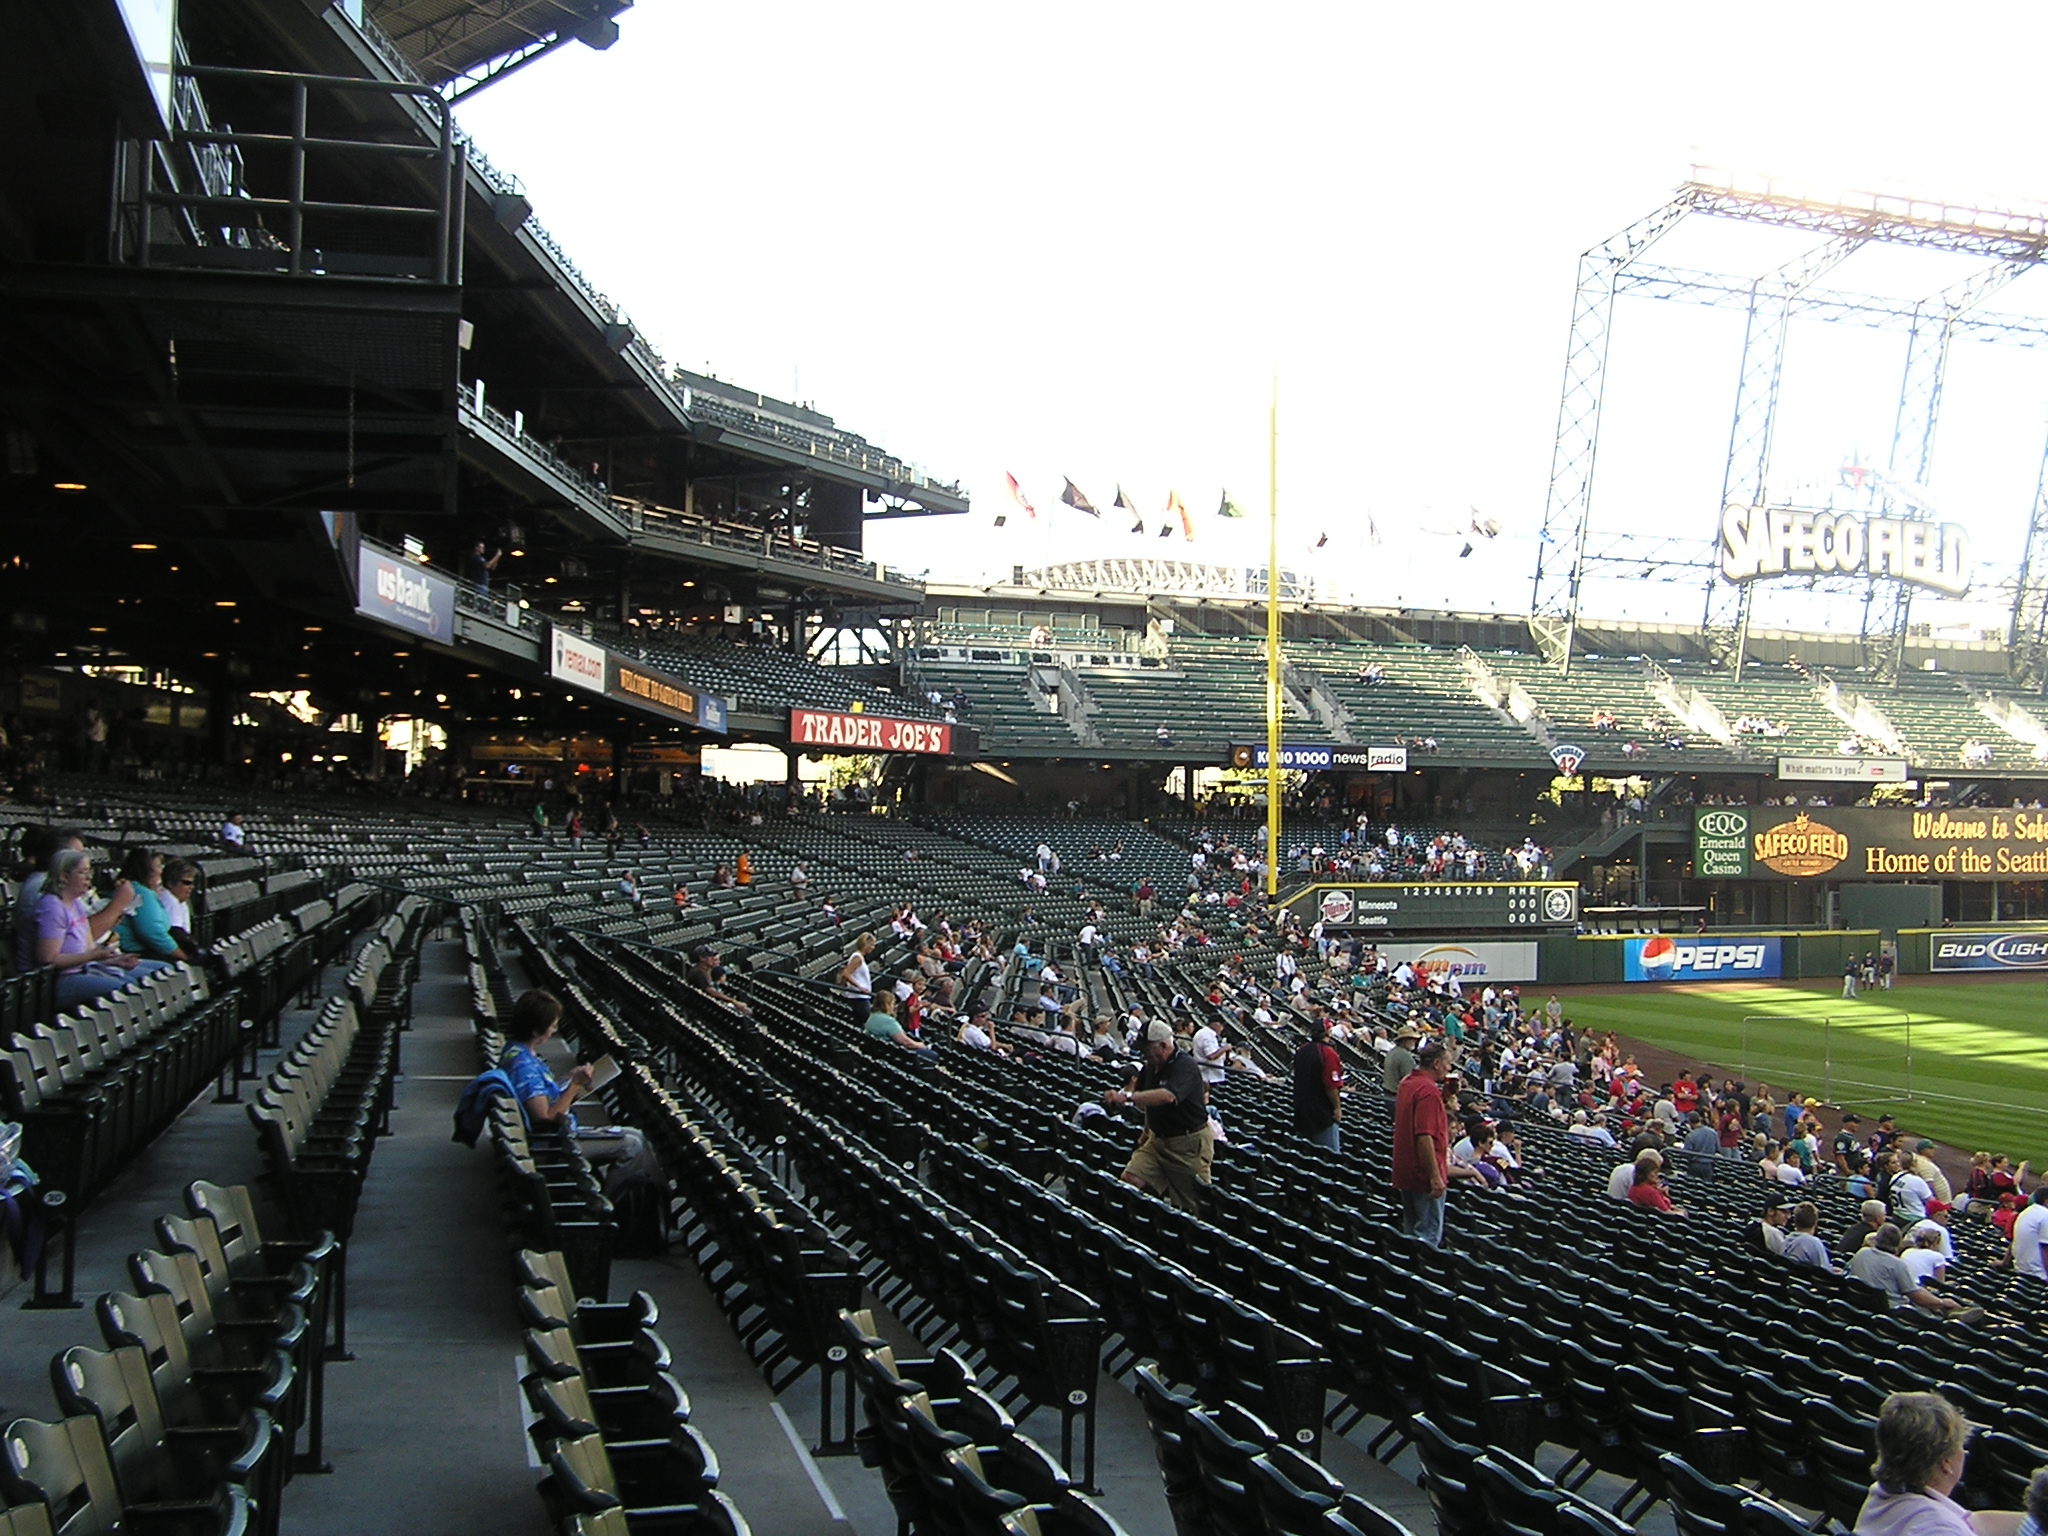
1017,495
1228,508
1175,507
1124,501
1072,497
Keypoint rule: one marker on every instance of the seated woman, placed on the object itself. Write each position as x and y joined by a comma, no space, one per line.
1921,1448
80,944
546,1102
145,928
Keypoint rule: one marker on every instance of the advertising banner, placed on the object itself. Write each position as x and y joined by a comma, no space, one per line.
404,595
641,686
1311,755
831,730
1470,960
1844,770
1954,951
1703,959
1853,843
1720,843
575,660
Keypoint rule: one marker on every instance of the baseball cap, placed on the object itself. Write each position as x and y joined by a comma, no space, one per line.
1924,1146
1813,1103
1938,1207
1774,1201
1159,1032
1852,1118
704,952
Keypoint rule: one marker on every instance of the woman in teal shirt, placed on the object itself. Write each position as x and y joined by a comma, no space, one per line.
146,928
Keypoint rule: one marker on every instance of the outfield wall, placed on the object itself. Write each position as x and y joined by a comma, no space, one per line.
1787,954
1979,949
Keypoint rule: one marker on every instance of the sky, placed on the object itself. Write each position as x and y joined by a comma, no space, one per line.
1085,240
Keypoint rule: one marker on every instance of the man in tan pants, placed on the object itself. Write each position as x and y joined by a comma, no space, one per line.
1172,1158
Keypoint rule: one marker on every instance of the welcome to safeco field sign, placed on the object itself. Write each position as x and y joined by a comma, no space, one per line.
1868,843
1720,845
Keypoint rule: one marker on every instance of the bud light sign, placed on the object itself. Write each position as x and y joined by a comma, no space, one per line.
1669,959
1991,952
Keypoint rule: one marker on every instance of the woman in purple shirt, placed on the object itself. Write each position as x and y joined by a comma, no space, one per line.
1920,1450
78,944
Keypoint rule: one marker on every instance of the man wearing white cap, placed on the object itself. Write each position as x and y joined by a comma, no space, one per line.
1172,1159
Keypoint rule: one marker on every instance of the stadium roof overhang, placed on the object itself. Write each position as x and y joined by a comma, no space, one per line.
464,45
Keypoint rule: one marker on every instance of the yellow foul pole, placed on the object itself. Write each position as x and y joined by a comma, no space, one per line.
1273,643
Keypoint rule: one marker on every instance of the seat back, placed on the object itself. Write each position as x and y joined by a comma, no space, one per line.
113,1388
583,1475
178,1276
64,1468
150,1324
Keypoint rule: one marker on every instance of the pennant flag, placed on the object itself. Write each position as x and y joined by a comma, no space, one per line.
1017,495
1372,530
1166,530
1228,508
1123,500
1001,519
1138,527
1485,527
1322,541
1465,551
1175,507
1072,497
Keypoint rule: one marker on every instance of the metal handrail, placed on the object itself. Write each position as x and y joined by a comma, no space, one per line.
444,212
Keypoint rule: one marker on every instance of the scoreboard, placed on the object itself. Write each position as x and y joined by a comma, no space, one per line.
1435,905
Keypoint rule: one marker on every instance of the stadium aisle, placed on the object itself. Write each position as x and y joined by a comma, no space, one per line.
426,1428
209,1141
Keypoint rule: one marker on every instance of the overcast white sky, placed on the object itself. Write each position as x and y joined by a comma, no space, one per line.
1065,239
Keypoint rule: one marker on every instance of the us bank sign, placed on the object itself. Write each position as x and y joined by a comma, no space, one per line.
1758,543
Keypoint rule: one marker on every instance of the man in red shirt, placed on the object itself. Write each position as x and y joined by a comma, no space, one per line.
1422,1145
1685,1095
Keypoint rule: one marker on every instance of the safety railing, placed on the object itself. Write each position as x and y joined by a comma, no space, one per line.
239,218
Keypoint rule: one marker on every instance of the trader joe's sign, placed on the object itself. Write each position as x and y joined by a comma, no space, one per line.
1822,842
831,730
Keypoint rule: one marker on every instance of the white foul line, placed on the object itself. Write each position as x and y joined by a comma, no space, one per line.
803,1454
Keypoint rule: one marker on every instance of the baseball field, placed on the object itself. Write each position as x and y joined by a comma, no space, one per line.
1963,1061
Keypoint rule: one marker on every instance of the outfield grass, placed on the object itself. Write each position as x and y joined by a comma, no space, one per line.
1979,1048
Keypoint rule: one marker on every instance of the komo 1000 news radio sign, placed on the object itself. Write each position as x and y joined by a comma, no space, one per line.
1675,959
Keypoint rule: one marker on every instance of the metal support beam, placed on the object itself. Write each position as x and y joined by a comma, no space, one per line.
2027,642
1888,606
1724,626
1561,548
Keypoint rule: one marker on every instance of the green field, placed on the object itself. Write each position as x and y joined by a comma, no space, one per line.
1979,1049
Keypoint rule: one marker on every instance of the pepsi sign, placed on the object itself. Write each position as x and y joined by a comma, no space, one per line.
1991,952
1668,959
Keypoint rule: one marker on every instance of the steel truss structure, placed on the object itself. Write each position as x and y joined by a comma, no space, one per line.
1571,550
